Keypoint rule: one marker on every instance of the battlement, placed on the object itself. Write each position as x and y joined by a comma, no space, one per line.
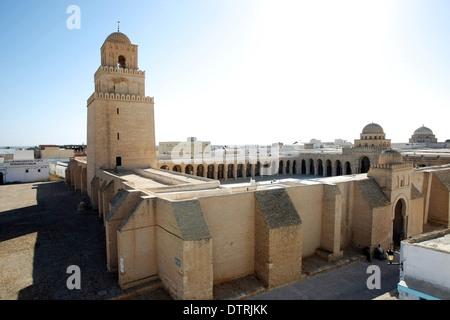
135,72
352,149
392,166
117,96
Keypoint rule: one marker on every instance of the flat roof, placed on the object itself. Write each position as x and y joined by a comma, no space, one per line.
269,182
160,180
440,243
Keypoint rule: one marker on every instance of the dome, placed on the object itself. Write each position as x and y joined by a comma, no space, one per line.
118,37
423,131
373,128
390,156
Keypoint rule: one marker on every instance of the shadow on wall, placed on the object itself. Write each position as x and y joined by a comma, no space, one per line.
65,237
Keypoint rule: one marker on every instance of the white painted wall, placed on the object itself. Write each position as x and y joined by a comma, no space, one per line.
25,170
426,264
60,169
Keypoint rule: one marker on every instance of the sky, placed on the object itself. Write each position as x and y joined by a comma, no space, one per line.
232,71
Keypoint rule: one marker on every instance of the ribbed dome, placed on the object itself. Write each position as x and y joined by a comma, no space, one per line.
118,37
390,156
423,130
373,128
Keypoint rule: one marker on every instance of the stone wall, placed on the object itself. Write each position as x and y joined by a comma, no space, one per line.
192,244
307,200
121,204
136,245
439,199
231,221
278,238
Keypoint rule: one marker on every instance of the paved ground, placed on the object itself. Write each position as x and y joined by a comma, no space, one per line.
42,233
346,282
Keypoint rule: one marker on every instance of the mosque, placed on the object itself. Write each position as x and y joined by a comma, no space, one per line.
176,221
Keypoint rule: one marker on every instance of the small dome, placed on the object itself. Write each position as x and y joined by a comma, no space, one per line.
390,156
118,37
423,130
373,128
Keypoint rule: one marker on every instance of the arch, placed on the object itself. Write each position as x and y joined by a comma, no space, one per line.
164,167
200,170
288,164
122,62
329,168
399,222
311,167
210,173
220,171
257,169
230,170
240,170
248,170
189,169
338,166
280,168
319,167
1,178
364,164
294,167
348,168
303,167
177,168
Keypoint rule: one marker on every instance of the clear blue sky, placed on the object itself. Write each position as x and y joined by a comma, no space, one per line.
233,71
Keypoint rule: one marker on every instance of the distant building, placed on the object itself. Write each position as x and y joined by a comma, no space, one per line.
56,152
32,170
61,152
6,154
423,135
373,136
59,156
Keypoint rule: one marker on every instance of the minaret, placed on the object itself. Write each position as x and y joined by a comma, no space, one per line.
120,118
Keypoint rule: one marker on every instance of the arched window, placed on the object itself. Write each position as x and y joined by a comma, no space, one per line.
122,62
364,165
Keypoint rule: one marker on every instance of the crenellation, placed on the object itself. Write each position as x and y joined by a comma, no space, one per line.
392,166
121,97
116,70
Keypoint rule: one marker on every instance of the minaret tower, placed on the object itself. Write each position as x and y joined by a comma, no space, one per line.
120,118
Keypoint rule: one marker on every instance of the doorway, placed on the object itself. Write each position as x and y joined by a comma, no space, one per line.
399,223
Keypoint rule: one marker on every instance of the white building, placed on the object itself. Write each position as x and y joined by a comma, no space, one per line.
425,267
58,168
23,168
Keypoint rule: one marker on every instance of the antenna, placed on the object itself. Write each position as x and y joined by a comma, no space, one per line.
118,26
